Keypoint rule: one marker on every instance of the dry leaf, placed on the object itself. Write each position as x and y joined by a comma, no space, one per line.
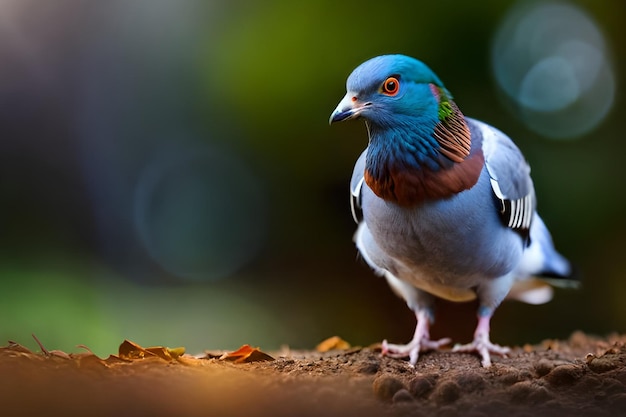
129,351
176,352
246,353
166,353
332,343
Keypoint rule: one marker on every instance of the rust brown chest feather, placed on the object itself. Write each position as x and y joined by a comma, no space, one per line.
453,166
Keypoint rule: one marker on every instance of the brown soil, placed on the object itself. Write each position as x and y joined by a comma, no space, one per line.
582,376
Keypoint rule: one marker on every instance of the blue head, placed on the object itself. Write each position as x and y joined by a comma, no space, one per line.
417,134
391,90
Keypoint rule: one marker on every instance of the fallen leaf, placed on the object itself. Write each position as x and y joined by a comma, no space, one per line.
176,352
166,353
129,351
246,353
332,343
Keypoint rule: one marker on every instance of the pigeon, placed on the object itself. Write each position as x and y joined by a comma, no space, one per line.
445,204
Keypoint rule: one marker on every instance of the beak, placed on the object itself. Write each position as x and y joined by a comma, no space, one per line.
349,108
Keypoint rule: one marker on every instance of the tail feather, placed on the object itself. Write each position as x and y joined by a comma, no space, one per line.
541,266
572,280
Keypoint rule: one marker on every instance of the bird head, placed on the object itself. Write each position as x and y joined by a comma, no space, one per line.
389,89
419,140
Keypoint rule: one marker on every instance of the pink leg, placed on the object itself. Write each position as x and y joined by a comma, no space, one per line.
481,343
420,342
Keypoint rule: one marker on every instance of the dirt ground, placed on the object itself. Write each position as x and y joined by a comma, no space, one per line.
581,376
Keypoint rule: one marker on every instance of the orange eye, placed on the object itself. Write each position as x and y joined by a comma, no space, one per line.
391,86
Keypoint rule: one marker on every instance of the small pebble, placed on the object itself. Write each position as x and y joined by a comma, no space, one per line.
602,364
520,391
564,375
510,378
446,392
543,367
540,395
471,382
420,386
510,375
386,386
402,396
528,392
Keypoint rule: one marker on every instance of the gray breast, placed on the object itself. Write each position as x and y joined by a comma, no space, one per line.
458,242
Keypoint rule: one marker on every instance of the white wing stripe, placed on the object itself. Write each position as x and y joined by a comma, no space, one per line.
355,200
521,213
528,212
515,212
512,215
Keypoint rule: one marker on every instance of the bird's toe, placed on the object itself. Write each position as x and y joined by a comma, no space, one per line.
484,348
412,349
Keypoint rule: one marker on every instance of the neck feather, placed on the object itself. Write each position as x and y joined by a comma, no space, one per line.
409,165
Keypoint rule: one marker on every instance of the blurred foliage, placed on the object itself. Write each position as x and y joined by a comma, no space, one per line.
93,95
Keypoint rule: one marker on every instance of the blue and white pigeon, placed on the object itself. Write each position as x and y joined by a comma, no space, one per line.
445,204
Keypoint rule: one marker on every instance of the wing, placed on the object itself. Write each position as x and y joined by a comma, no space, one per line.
510,178
355,187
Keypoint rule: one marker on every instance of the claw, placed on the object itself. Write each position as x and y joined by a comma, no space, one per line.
484,348
482,345
421,342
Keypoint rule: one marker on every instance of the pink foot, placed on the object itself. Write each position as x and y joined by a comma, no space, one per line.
481,344
421,342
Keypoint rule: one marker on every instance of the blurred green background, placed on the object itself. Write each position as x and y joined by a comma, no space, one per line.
168,175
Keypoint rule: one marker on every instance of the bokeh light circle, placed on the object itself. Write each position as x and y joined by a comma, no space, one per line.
551,61
199,212
550,85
